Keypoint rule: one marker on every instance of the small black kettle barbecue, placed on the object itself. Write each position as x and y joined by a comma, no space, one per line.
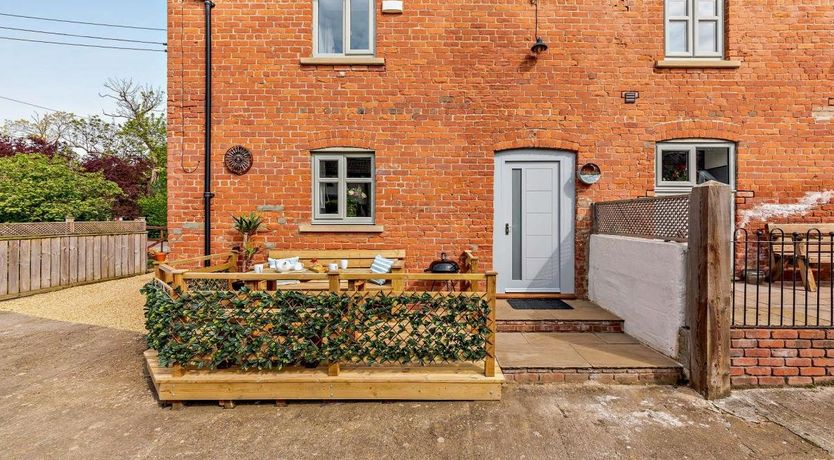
443,265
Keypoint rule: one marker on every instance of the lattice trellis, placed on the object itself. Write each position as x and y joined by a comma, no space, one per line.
665,218
48,229
270,330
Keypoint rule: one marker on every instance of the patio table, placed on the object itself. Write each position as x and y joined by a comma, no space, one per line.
273,285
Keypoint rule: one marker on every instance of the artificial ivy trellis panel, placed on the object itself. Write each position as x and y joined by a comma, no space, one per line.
270,330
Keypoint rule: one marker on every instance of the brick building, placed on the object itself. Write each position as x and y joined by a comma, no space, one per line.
437,129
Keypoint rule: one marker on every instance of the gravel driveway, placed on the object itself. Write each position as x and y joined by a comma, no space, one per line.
117,304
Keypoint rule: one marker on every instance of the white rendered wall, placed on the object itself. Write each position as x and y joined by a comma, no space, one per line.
643,282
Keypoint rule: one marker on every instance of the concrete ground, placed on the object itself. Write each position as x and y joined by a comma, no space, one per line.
81,391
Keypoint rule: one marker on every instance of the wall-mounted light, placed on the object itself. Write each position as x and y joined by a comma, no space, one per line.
539,46
630,97
392,6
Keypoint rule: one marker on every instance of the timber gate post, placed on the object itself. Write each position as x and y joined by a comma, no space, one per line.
708,312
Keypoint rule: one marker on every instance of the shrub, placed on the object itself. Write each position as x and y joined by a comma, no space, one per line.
35,188
155,208
130,174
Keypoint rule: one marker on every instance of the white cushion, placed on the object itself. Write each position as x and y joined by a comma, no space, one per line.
274,263
381,265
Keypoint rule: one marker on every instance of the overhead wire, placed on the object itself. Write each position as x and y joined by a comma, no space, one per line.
69,21
92,37
83,45
28,103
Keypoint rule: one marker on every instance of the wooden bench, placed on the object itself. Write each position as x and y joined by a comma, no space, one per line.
793,244
359,260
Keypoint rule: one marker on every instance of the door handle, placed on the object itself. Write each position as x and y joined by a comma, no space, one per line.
506,229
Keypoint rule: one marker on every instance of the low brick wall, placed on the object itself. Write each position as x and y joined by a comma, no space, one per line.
781,357
622,376
556,325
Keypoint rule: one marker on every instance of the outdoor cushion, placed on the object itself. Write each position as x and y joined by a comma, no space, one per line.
381,265
274,263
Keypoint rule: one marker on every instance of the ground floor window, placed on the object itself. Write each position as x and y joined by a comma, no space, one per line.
343,187
680,165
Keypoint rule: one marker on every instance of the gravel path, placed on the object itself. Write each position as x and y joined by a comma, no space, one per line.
116,304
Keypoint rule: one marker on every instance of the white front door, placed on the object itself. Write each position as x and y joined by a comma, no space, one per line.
534,221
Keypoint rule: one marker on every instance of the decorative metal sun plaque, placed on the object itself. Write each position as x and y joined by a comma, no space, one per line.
238,160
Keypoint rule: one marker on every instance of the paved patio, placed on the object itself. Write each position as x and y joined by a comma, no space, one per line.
576,350
787,306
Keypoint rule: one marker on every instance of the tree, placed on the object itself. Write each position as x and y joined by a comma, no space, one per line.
10,146
130,174
36,188
155,206
139,106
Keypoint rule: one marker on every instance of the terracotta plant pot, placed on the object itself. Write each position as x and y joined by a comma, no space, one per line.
160,256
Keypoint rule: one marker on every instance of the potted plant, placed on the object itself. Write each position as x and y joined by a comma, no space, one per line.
158,256
248,226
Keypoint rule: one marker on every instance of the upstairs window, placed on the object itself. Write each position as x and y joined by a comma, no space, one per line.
695,28
343,187
343,28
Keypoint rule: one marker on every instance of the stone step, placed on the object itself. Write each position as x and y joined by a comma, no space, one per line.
584,316
560,357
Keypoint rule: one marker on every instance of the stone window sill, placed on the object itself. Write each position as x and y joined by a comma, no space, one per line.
331,228
346,60
697,64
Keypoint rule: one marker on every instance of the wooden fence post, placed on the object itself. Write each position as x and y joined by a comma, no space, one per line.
179,282
489,363
333,369
708,289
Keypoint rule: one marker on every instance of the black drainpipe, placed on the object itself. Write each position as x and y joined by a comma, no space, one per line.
207,194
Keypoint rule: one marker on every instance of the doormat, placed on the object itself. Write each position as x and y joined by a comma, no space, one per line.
539,304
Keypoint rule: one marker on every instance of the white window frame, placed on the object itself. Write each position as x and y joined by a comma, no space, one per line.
693,19
671,188
341,155
348,50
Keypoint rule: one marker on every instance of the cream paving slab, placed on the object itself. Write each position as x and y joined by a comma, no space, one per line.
512,352
615,337
576,350
582,310
561,338
623,355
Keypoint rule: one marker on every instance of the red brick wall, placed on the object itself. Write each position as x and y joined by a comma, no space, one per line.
775,357
458,85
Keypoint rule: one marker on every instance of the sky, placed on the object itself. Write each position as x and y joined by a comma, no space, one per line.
70,78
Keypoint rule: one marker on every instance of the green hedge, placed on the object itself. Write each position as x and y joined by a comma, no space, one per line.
263,330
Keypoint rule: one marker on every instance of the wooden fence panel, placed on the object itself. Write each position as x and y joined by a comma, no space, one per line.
14,267
116,260
24,267
89,262
46,267
97,252
43,256
35,264
4,268
73,264
65,261
82,259
55,261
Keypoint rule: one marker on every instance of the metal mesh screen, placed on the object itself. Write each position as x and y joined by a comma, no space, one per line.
46,229
665,218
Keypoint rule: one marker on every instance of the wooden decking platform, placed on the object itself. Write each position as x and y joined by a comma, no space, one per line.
464,382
